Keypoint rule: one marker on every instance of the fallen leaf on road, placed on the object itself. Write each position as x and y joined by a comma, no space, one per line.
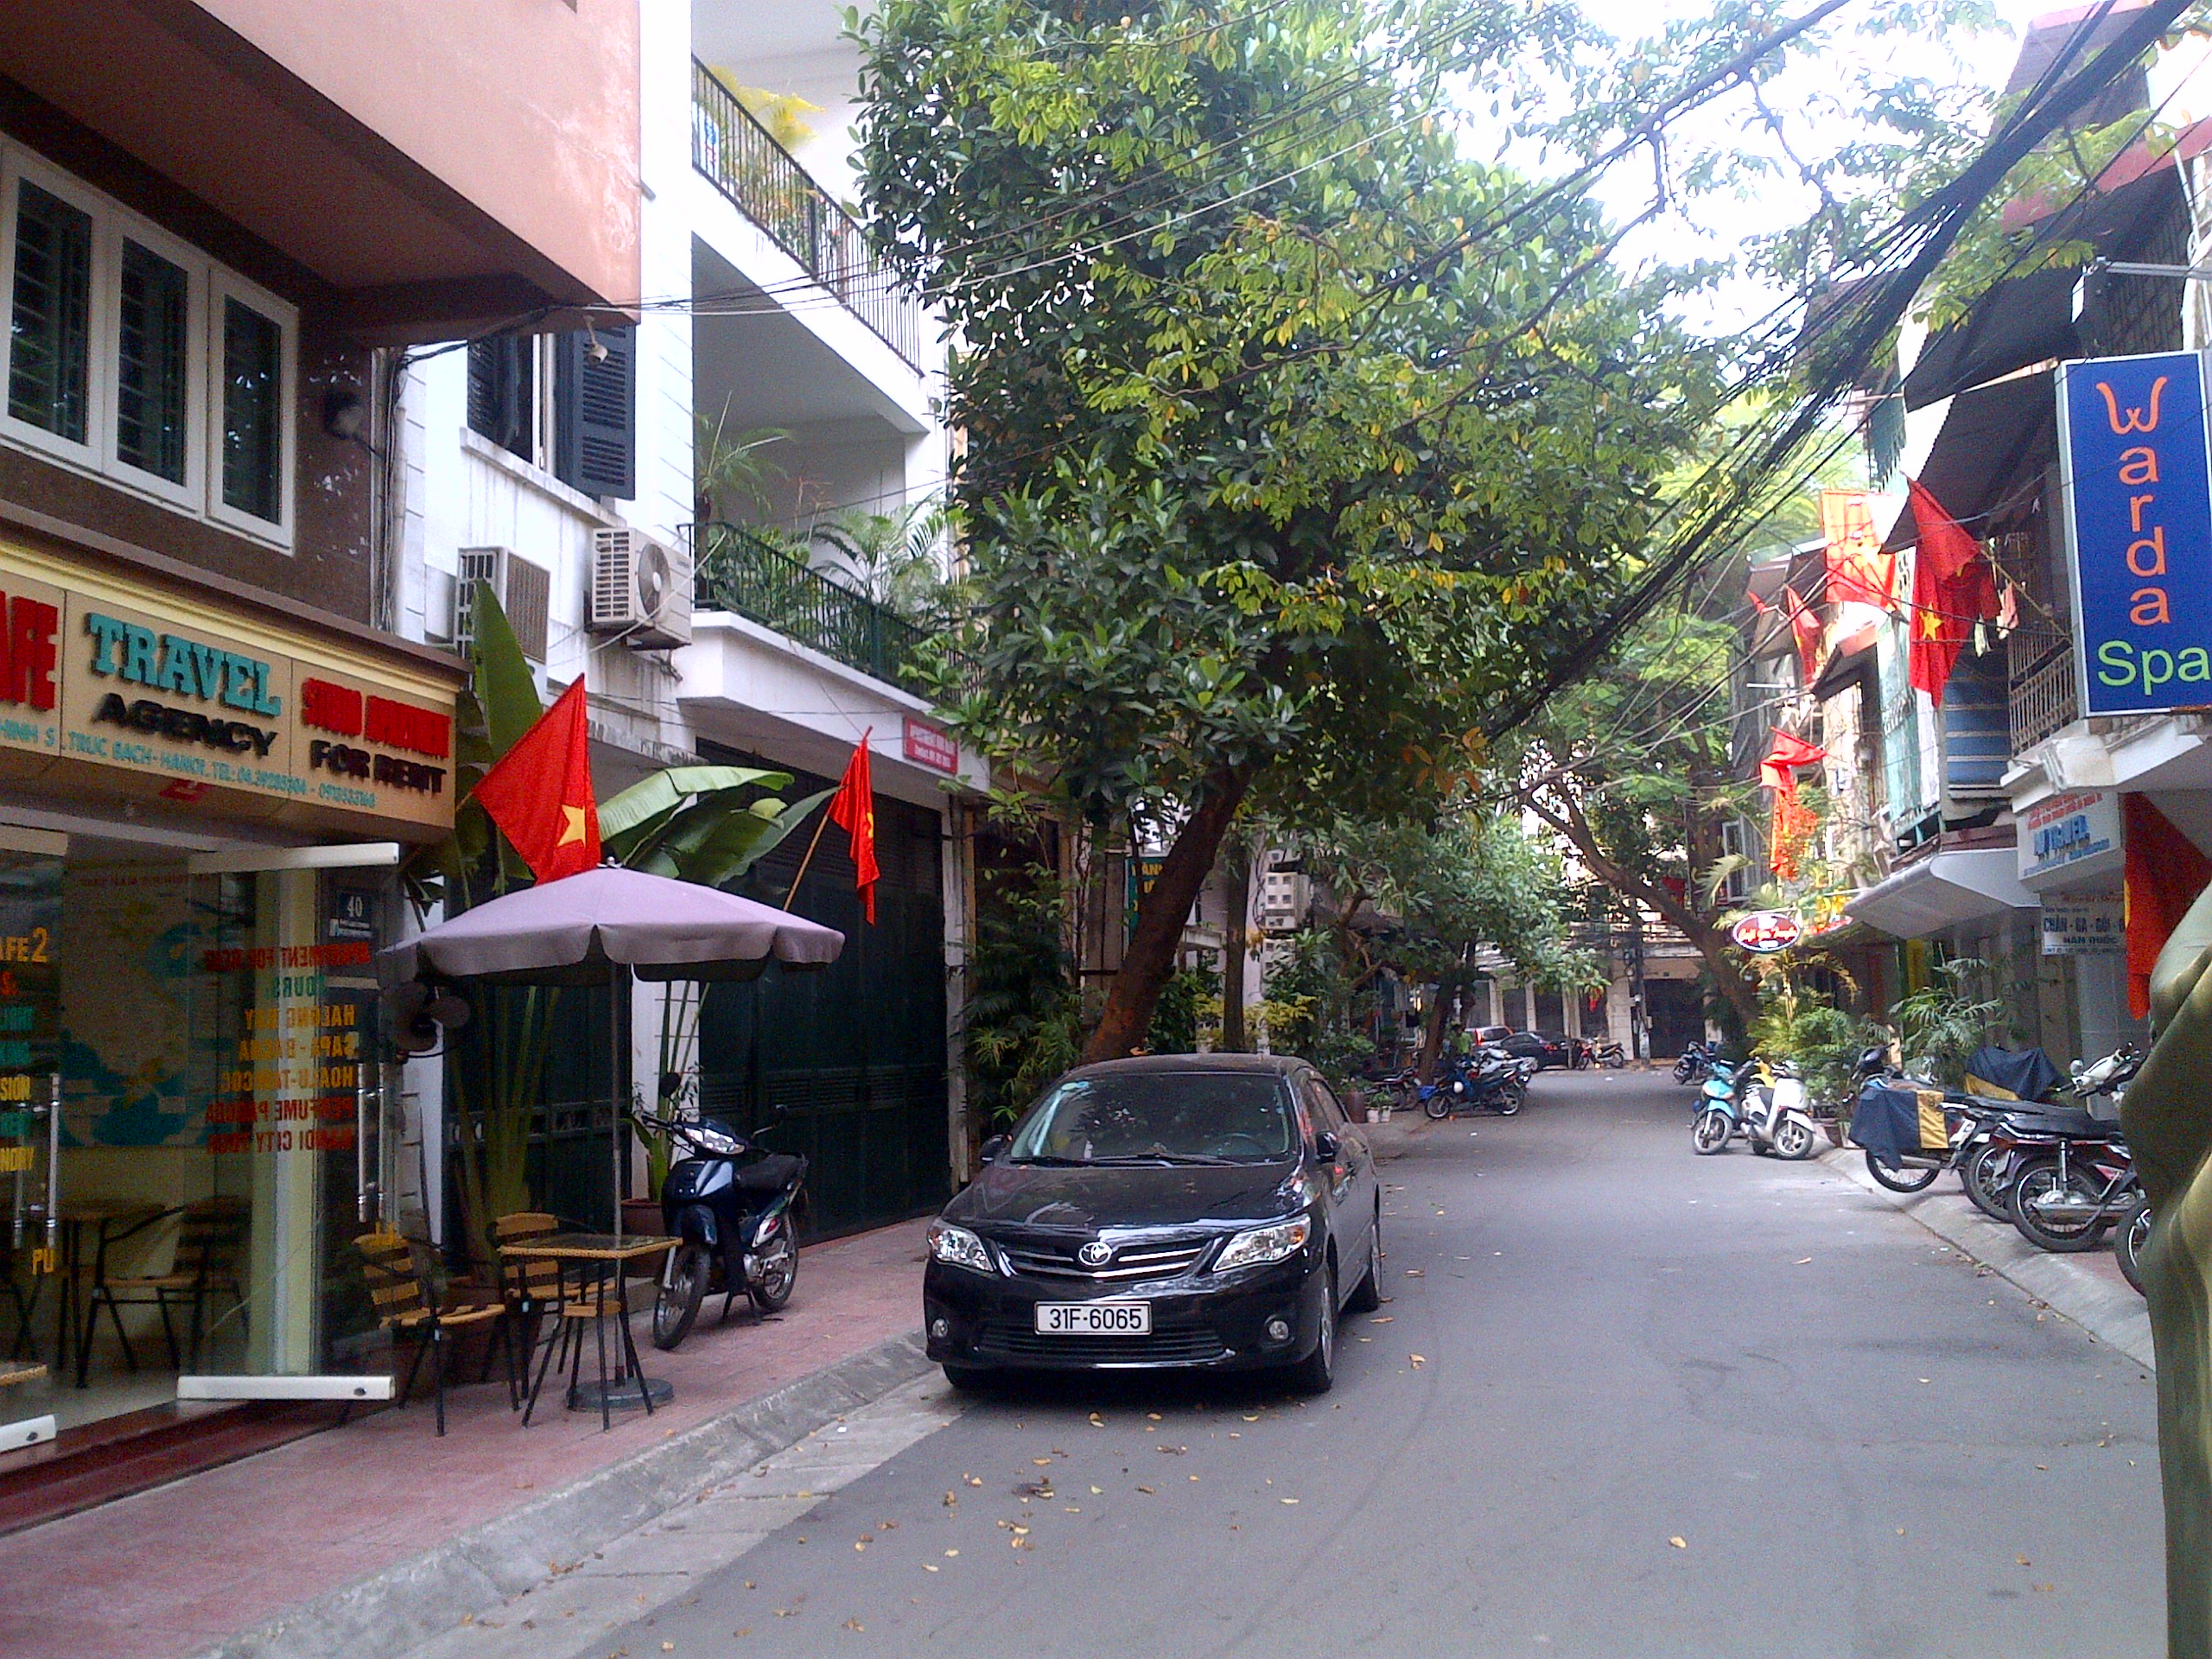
850,1624
931,1566
2043,1589
1099,1492
1042,1463
860,1543
1172,1450
1418,1360
1679,1543
971,1480
1289,1500
1923,1379
1147,1492
1413,1273
2023,1560
952,1552
1801,1261
1153,1416
1253,1418
950,1501
1097,1422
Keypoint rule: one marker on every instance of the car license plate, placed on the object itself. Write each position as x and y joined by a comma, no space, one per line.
1094,1318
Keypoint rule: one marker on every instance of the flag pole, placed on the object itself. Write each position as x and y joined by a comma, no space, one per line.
792,891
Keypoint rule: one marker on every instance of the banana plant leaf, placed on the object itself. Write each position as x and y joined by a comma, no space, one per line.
630,822
718,846
503,682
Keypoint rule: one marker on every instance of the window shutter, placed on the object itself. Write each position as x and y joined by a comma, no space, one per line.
596,406
500,393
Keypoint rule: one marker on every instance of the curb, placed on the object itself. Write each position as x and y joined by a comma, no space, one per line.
2114,1315
405,1604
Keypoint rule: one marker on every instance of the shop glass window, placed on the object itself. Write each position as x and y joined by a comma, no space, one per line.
50,319
152,363
253,411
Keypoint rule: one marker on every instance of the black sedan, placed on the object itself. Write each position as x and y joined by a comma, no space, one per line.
1196,1211
1545,1048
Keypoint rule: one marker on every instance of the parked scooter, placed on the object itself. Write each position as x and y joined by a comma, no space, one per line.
1489,1078
1767,1109
734,1218
2003,1138
1696,1065
1611,1056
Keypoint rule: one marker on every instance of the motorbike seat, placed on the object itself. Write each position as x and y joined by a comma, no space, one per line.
2072,1123
772,1174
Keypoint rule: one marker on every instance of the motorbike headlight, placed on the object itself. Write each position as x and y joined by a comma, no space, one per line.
959,1247
1262,1245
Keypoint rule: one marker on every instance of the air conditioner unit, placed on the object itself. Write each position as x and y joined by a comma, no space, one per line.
524,592
639,590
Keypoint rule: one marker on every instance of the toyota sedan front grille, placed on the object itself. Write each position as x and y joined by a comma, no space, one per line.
1163,1261
1196,1346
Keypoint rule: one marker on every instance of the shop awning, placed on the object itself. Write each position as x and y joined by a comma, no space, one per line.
1944,888
1977,457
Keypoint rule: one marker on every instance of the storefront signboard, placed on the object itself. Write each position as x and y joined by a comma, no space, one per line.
99,670
2137,489
1765,932
2083,927
931,746
2069,835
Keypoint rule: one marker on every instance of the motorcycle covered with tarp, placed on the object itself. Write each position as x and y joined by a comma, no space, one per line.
1912,1132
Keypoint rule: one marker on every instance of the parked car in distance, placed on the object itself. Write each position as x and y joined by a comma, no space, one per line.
1545,1048
1196,1211
1492,1033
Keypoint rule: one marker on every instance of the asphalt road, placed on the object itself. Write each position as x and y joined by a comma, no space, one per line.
1624,1403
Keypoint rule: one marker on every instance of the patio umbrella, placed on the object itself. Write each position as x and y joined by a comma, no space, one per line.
590,929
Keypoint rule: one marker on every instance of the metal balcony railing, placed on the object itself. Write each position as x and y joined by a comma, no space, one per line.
736,570
763,183
2043,700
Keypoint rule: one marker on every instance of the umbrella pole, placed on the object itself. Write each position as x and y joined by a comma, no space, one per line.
615,1068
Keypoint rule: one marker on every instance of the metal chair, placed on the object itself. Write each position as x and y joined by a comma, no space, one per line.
529,1290
404,1302
210,1242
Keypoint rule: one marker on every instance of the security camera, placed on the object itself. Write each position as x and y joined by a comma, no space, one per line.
596,352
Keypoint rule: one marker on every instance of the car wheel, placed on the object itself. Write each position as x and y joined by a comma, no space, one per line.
970,1379
1367,1295
1317,1372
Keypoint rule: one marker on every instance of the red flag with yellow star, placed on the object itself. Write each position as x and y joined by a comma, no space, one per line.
539,792
852,808
1952,588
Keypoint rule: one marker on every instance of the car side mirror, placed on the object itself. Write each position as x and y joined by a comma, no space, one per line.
1325,1145
991,1149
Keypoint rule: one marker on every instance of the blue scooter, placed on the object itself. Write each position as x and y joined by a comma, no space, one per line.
734,1218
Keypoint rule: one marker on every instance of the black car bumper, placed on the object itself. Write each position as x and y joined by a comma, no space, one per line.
1198,1321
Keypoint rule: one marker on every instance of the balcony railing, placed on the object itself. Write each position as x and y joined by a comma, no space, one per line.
736,570
2043,700
763,183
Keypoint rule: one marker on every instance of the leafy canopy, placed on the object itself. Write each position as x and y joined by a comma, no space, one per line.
1294,434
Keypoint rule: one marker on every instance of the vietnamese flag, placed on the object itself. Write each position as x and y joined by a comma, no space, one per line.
1952,588
1805,629
539,792
852,808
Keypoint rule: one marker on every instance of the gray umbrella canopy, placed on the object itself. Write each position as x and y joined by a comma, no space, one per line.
575,930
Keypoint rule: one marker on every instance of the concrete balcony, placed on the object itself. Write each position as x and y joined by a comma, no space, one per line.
763,182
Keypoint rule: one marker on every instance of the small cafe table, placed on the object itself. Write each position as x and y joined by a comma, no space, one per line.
595,1258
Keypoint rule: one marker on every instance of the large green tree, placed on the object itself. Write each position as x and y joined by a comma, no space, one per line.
1295,436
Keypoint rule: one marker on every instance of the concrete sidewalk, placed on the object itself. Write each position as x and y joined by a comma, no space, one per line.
365,1540
2089,1289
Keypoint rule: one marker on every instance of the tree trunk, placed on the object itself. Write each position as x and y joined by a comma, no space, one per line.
1432,1038
1236,878
1160,914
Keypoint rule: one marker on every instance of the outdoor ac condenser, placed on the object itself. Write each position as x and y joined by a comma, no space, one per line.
524,592
639,590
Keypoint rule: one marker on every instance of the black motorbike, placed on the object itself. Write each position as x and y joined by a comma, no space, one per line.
1694,1065
734,1213
1489,1079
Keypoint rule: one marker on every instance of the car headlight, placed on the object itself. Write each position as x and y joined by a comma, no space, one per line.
959,1247
1263,1244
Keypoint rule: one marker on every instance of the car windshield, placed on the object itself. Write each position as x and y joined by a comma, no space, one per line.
1197,1117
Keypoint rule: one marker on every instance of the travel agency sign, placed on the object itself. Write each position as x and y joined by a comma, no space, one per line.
2138,487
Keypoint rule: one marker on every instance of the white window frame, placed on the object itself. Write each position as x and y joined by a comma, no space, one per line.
14,168
208,284
228,285
107,294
